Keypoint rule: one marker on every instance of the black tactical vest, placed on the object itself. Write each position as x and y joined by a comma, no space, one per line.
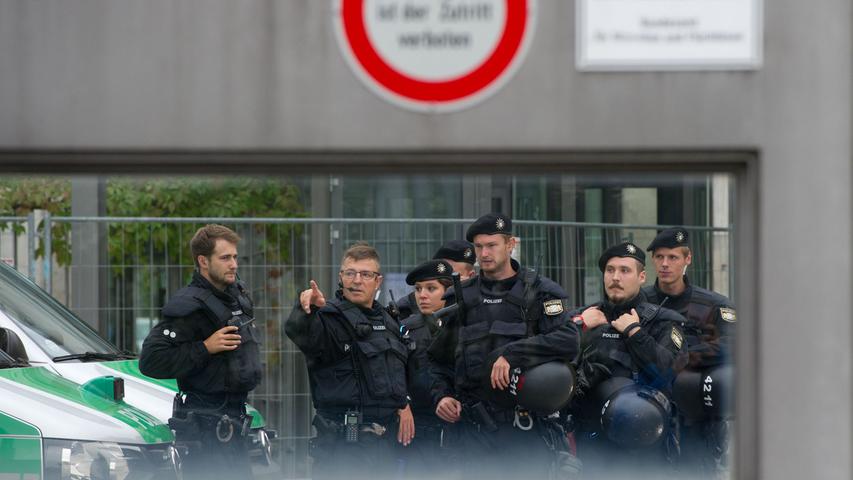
492,321
696,308
243,365
420,330
373,374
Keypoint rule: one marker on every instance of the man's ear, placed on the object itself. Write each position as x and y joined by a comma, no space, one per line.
202,262
642,276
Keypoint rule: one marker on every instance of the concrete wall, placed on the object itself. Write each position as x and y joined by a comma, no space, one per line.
106,75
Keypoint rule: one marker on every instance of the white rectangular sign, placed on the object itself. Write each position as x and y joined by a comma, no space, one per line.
668,34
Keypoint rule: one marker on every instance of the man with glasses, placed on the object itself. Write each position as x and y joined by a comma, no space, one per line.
356,362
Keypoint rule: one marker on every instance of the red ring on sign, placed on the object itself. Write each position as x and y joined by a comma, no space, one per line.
443,91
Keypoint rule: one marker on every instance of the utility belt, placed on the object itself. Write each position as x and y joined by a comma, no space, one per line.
194,423
484,417
427,422
352,426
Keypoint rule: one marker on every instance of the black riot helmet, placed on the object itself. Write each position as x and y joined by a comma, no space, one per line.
705,394
542,389
635,416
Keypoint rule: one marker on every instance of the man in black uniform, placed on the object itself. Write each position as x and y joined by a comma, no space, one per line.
356,362
424,455
708,330
208,342
511,319
626,341
460,255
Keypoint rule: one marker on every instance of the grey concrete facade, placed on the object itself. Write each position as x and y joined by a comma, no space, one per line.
98,85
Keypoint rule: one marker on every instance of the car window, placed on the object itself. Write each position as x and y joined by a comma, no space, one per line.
48,323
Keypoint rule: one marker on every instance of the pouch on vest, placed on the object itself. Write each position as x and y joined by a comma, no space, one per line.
385,361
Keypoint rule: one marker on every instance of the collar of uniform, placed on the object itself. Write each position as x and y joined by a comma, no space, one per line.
374,313
498,286
431,323
198,280
675,299
613,311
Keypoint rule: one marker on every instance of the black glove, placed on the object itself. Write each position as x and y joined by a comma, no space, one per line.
590,373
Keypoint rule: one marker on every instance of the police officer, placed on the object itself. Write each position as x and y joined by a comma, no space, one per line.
510,319
356,362
424,455
460,255
208,342
626,341
708,330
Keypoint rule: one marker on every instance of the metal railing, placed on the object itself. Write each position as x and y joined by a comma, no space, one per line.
141,261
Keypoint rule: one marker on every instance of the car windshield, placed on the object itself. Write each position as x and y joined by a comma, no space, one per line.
46,321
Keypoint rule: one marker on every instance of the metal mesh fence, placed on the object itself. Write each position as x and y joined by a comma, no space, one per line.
139,262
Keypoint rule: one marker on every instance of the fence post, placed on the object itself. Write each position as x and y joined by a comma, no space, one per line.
31,246
48,253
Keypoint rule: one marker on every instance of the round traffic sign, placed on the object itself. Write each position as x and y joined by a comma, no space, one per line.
434,55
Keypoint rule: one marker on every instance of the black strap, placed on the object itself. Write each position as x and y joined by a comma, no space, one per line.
627,331
647,312
212,303
531,294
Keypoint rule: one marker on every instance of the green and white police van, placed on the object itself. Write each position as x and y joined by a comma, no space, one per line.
36,329
54,429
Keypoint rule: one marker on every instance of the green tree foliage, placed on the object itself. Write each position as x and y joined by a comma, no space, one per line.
19,196
162,243
159,242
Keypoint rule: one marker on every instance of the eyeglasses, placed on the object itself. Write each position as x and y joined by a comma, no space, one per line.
365,274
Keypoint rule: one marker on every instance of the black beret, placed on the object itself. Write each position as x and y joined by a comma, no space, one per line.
431,270
489,224
456,250
669,238
625,249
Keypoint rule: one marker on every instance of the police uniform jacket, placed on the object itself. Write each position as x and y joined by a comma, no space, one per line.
175,346
521,318
708,326
420,330
356,358
649,356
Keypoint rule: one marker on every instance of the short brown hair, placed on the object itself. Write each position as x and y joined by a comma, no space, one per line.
361,251
204,240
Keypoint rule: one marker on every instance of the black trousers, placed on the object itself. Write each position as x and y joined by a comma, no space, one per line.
705,450
214,449
432,451
507,453
372,457
603,459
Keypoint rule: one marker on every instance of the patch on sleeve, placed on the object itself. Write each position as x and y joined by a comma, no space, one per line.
728,314
676,337
553,307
